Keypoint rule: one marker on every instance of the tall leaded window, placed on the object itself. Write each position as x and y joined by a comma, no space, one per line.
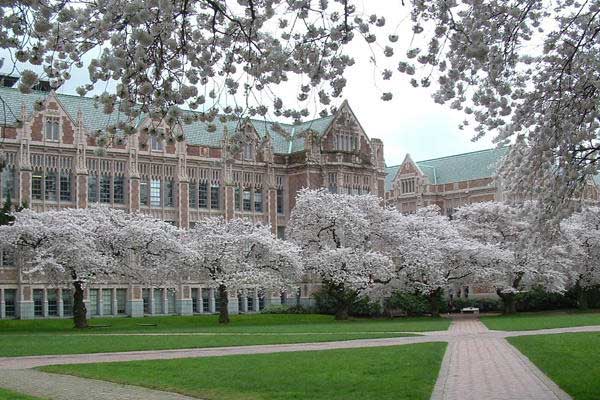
107,306
407,185
203,195
144,193
238,199
332,182
247,200
169,193
65,186
38,302
156,143
155,193
279,201
119,189
106,181
104,188
193,195
248,151
7,258
52,298
258,200
50,186
67,299
92,188
345,141
52,129
10,302
8,181
37,184
215,196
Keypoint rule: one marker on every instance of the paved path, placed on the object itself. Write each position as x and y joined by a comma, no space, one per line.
483,365
478,365
64,387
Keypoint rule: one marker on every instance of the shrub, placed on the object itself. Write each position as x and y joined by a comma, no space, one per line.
285,309
537,299
408,303
363,307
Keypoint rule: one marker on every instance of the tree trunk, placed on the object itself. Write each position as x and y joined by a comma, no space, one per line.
79,310
342,312
434,303
509,302
582,301
223,305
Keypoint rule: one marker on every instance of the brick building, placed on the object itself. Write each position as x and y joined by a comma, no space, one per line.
50,145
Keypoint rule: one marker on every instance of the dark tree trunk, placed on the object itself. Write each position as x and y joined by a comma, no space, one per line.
343,299
582,299
434,303
79,310
509,302
223,305
342,313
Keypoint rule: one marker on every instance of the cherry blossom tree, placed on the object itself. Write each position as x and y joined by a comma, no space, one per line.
431,255
84,246
235,254
581,234
336,235
523,257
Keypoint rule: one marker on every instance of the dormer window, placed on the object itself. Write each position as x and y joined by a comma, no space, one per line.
248,151
156,143
345,142
52,129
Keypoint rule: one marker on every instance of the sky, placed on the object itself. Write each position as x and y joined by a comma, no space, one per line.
411,122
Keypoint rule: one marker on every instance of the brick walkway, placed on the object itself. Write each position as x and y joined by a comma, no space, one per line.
478,365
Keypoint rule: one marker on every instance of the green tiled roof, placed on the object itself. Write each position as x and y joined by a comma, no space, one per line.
196,133
456,168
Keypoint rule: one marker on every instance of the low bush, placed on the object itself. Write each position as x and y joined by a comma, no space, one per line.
285,309
362,307
408,303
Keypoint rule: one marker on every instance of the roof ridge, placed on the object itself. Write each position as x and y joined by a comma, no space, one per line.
463,154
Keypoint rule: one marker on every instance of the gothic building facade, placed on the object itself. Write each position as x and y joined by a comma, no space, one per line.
52,161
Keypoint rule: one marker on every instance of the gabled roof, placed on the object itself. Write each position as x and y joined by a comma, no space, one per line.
456,168
289,141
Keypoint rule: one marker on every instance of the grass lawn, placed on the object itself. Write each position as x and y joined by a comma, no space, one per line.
572,360
39,337
9,395
402,372
541,320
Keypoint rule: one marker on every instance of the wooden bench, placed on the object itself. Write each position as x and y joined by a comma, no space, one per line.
469,310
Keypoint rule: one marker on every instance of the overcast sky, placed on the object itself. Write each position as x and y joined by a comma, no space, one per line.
411,122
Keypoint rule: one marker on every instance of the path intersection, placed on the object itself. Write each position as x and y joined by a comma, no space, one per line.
479,364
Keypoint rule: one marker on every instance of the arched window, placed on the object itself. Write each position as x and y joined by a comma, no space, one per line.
52,129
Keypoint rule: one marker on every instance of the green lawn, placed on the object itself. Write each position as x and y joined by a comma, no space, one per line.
533,321
39,337
9,395
572,360
402,372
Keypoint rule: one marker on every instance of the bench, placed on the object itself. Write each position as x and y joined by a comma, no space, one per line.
469,310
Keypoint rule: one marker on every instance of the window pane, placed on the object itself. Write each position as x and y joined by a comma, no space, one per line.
203,195
172,304
205,300
155,193
215,202
50,186
65,186
121,301
193,195
195,301
93,304
8,182
92,189
159,302
144,193
36,185
146,299
238,198
7,258
38,302
279,201
10,302
104,188
247,200
52,302
55,129
107,302
67,298
119,189
169,193
258,201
